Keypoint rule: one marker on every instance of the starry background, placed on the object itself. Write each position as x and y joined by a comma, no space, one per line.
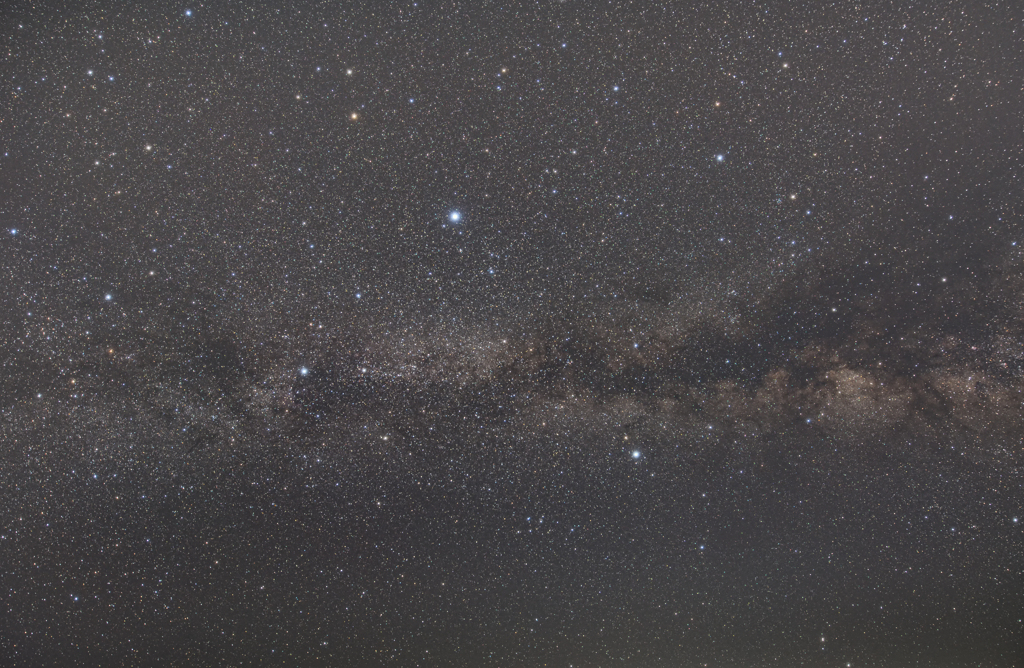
512,334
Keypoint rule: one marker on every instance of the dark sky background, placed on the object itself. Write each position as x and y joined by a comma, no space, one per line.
512,334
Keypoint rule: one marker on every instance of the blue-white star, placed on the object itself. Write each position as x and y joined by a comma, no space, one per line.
455,216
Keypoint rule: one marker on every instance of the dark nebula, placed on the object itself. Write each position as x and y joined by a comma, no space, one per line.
512,334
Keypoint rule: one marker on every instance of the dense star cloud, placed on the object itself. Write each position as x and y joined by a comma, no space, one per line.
536,333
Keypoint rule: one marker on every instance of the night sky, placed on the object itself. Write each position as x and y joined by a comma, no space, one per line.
512,334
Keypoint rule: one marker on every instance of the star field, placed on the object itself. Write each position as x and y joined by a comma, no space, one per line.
512,334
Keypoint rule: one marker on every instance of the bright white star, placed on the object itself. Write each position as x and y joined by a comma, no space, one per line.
455,216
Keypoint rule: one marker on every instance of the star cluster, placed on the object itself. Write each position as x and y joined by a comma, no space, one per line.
535,333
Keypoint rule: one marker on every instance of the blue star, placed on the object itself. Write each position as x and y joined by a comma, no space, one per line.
720,158
304,371
636,454
455,216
